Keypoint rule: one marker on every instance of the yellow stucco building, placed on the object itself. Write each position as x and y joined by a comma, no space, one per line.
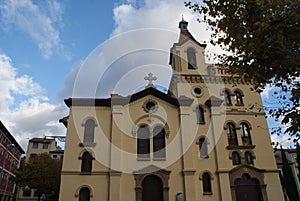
206,139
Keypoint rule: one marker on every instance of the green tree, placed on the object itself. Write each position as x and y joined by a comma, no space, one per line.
42,173
262,38
288,179
298,156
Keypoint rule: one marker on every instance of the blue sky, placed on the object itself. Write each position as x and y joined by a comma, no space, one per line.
44,43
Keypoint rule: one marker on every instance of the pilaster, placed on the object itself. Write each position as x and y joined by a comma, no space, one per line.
115,154
114,186
187,138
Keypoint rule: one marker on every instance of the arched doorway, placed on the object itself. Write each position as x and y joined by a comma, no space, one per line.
247,189
152,188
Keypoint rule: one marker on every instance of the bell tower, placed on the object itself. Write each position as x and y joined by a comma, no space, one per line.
188,63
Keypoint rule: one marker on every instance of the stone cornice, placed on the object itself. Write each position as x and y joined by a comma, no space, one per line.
188,171
243,113
79,173
120,100
227,171
210,79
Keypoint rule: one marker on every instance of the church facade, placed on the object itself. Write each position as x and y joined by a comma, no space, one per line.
206,139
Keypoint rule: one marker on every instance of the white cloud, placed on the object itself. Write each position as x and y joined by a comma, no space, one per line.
33,115
164,14
265,94
139,27
40,21
283,140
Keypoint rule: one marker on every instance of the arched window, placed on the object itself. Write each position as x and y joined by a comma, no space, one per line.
236,159
143,142
86,163
246,137
238,98
89,130
200,115
227,97
191,56
248,157
84,194
203,147
231,134
159,142
206,183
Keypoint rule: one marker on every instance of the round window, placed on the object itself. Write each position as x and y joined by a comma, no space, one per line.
150,106
197,91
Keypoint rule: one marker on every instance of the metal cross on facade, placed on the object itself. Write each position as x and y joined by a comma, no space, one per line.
150,78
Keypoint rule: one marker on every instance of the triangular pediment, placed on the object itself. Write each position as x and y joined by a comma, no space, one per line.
184,101
151,169
240,170
245,168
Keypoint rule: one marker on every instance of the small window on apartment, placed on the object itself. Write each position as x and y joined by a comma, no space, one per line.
35,194
32,155
26,193
35,145
45,145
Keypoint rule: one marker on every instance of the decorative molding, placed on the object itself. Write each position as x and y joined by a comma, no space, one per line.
153,108
114,173
80,173
159,158
206,171
84,186
87,144
235,112
217,79
162,174
143,158
238,147
189,172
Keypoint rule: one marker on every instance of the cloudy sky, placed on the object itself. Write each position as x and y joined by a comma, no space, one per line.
44,44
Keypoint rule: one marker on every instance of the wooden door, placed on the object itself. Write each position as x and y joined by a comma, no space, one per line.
152,189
